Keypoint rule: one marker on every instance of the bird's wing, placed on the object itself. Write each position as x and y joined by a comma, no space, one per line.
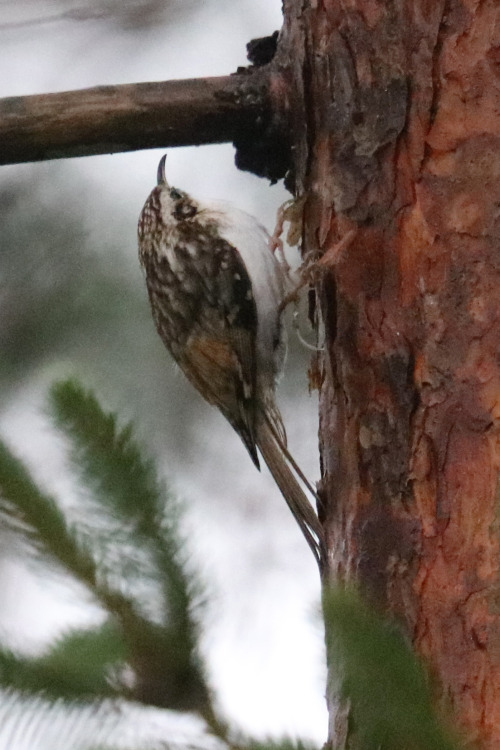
219,356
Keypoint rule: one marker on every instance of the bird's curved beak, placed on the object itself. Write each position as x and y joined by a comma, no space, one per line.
160,175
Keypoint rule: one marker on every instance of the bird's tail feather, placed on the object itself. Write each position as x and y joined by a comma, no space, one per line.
277,456
284,449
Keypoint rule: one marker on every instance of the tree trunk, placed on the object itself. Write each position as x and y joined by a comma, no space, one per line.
396,130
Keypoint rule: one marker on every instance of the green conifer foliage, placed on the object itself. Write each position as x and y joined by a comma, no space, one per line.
133,560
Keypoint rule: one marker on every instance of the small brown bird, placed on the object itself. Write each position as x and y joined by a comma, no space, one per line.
216,290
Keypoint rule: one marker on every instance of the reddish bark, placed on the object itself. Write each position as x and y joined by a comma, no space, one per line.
396,121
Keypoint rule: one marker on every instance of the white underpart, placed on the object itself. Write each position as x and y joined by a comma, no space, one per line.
252,241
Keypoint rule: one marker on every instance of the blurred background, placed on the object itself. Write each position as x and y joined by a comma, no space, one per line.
73,302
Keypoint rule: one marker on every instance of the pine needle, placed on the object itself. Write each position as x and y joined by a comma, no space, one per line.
113,468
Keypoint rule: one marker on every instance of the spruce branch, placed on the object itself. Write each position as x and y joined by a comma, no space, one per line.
112,467
163,655
75,668
68,725
38,518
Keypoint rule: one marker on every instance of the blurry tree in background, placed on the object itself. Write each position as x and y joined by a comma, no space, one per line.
133,16
57,292
66,300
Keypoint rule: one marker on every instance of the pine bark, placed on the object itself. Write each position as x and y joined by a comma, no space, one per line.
395,118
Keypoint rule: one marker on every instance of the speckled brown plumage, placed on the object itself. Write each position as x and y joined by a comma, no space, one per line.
215,290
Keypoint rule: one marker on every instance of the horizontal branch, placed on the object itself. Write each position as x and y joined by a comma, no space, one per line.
109,119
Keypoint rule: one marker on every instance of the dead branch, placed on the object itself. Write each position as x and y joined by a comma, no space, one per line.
110,119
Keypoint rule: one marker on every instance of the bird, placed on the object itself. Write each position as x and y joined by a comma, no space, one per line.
216,291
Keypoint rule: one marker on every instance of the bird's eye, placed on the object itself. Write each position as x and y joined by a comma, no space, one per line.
185,210
175,194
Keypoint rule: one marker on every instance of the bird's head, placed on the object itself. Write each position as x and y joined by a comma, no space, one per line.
176,205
